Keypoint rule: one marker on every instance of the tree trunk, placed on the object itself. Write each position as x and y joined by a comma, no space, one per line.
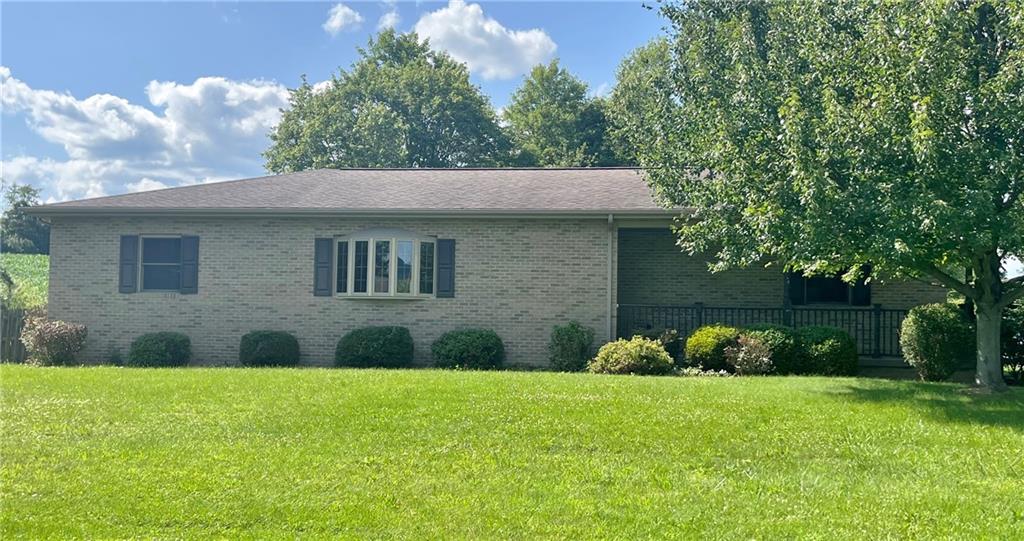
989,372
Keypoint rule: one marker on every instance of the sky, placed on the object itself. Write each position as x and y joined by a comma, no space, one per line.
106,98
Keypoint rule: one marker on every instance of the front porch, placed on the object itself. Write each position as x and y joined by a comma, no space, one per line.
659,287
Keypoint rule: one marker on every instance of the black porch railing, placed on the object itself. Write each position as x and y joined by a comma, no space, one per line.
875,330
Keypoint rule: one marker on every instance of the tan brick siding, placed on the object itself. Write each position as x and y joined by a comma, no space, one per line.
653,270
519,277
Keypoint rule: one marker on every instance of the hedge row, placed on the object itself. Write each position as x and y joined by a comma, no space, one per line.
763,349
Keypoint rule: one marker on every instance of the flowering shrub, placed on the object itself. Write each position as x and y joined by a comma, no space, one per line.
51,342
749,356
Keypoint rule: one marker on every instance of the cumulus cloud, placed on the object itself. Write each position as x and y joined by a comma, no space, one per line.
484,44
389,19
211,128
145,184
342,17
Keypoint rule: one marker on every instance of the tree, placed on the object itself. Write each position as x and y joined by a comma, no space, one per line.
554,123
21,233
400,105
641,111
830,135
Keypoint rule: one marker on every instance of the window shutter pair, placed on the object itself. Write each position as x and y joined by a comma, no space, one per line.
128,265
323,263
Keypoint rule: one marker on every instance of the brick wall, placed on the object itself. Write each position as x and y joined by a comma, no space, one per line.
519,277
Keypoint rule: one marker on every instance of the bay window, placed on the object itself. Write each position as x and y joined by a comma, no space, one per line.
385,263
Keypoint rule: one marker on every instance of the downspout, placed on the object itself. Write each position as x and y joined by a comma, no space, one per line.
611,248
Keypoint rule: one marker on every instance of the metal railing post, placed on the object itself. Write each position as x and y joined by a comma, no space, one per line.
877,323
699,315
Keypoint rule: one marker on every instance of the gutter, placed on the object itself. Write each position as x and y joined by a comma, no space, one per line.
611,284
52,211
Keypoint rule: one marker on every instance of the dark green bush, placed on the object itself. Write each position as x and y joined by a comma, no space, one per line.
269,348
469,348
669,338
160,349
638,355
787,352
1013,344
388,347
936,339
706,346
570,347
828,351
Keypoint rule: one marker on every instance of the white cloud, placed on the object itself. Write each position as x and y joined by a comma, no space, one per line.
487,47
342,17
145,185
389,19
211,128
322,86
602,90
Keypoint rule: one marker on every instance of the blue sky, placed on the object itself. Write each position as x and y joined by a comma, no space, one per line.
103,98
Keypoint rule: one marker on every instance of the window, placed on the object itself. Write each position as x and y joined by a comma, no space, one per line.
385,263
161,263
829,290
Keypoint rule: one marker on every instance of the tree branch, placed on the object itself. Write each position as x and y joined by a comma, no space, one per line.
952,283
1013,290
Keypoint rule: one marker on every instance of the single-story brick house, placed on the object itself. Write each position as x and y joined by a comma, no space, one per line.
319,253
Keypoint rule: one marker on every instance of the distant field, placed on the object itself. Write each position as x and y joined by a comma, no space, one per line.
31,275
117,453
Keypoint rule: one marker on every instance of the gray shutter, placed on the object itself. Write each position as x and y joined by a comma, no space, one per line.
446,268
323,254
189,265
128,265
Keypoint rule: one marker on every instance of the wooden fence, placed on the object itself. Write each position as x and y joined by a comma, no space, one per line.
11,348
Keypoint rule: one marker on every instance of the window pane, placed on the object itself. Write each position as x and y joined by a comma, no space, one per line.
156,250
826,289
403,276
427,267
342,273
381,266
360,257
162,277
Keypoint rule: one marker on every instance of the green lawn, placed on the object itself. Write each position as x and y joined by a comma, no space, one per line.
197,453
31,275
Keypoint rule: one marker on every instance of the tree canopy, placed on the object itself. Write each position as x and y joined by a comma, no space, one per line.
641,110
20,232
553,122
400,105
829,135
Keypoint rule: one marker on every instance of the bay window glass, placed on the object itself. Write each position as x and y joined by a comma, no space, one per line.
403,261
427,268
385,263
361,261
381,266
342,273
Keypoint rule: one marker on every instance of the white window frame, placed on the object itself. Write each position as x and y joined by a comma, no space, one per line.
393,237
141,276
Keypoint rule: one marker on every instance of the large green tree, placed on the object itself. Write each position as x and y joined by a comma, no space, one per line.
824,136
554,123
20,232
641,111
400,105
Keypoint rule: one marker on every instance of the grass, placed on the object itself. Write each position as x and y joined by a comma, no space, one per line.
30,274
197,453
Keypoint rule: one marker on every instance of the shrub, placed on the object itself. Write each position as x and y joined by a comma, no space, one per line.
160,349
1013,344
787,353
638,355
570,347
388,347
51,342
669,339
936,339
828,351
269,348
705,348
749,357
469,348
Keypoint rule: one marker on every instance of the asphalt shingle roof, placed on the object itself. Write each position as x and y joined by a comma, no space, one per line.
576,190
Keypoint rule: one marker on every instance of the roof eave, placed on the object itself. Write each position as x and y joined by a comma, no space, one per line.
48,211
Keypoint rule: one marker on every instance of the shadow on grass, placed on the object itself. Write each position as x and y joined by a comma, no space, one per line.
943,401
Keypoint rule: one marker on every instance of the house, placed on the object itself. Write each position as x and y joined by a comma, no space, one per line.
319,253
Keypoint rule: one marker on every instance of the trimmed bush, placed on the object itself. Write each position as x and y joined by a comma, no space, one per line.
705,348
269,348
480,349
385,347
936,340
160,349
749,357
828,351
51,342
787,353
669,339
570,347
637,355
